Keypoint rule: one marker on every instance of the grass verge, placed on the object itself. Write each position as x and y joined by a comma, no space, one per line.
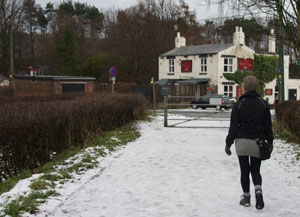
284,134
61,168
27,204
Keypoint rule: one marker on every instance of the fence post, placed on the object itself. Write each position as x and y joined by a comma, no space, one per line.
166,111
154,95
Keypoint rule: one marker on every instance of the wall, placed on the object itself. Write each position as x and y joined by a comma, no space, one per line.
89,87
36,88
196,67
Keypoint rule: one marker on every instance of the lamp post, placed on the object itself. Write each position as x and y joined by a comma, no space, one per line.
282,55
12,56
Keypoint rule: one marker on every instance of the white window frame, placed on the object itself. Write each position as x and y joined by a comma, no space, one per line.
228,64
203,65
171,65
227,91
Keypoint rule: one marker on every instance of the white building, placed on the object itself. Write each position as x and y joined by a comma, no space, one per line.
205,65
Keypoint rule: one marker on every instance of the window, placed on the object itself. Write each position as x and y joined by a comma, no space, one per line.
203,66
228,65
171,65
228,90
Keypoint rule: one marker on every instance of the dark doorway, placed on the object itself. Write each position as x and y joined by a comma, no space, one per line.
292,94
67,88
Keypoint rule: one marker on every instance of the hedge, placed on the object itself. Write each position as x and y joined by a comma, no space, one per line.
288,113
32,129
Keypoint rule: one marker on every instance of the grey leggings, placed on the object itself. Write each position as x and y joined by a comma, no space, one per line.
249,165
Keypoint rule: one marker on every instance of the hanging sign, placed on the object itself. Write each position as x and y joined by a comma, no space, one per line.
245,64
186,65
268,92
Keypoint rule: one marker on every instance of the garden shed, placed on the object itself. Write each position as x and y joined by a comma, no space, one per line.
45,85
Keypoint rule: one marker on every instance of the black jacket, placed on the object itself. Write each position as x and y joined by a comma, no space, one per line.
250,119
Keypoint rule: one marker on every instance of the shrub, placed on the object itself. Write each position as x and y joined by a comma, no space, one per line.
32,129
288,113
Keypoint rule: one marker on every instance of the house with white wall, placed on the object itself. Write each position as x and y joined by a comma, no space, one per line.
205,65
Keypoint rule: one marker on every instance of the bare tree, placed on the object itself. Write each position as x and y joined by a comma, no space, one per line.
286,11
10,16
30,20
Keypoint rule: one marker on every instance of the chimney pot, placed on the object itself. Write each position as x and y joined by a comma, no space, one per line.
180,41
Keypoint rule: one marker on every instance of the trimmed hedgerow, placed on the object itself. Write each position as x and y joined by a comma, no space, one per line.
288,113
33,129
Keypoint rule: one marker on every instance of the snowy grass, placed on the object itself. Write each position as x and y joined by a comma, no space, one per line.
11,182
65,168
28,203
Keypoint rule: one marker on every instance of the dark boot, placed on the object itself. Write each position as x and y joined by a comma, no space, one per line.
245,201
259,199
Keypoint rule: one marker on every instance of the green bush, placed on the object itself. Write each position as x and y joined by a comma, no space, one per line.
32,129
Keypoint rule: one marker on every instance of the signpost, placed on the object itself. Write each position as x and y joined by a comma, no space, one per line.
113,73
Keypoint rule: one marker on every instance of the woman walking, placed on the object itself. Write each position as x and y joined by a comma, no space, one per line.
250,120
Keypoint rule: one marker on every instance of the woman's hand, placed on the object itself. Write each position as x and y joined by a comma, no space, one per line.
227,150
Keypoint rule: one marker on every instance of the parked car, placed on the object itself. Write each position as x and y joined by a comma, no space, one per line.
204,102
233,100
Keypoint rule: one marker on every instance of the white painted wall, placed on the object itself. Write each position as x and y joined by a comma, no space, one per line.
212,66
290,83
239,52
293,84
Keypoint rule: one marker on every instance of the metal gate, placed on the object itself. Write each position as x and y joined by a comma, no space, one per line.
214,118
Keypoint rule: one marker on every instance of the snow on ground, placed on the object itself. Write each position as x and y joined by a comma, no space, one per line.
178,172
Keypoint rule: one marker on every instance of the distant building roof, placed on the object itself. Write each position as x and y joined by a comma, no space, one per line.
197,50
54,78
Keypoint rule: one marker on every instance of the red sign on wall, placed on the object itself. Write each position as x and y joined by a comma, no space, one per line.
268,92
186,66
245,64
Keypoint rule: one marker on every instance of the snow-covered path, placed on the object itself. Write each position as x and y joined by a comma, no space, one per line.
171,172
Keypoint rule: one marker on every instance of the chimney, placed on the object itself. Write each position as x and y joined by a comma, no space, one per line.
272,42
180,41
238,36
242,36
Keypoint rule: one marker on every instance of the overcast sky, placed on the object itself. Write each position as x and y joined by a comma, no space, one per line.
203,12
